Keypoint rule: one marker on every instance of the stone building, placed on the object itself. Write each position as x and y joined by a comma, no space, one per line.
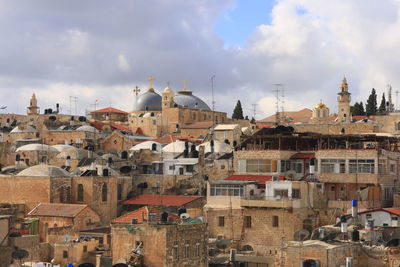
134,236
109,114
49,184
156,115
73,216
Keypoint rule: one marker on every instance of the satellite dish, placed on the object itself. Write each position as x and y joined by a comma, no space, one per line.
185,216
393,242
19,254
120,265
67,238
223,244
125,169
301,235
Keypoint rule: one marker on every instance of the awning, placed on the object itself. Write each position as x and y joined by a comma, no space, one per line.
303,156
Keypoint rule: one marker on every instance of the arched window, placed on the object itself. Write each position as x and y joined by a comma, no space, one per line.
154,147
80,192
119,192
104,192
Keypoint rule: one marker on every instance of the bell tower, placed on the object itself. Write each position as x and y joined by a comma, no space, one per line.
33,109
344,102
167,98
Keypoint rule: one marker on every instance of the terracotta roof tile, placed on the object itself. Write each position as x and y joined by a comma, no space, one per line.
57,210
161,200
109,110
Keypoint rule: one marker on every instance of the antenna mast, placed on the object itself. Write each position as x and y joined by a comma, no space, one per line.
75,100
254,110
280,94
212,94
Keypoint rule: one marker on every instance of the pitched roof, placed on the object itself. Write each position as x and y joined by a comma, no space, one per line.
198,125
261,179
57,210
161,200
167,139
395,211
142,214
99,126
303,115
109,110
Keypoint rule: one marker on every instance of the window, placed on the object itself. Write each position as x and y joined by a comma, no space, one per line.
176,250
189,168
333,166
119,192
221,221
275,221
226,190
296,193
171,167
65,254
247,221
84,248
104,192
152,217
362,166
261,166
80,192
198,248
186,251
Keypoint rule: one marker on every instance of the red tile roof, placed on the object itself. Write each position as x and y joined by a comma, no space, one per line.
99,126
395,211
358,117
57,210
142,214
161,200
303,156
165,139
262,126
109,110
261,179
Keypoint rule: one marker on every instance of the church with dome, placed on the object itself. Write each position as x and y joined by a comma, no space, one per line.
157,114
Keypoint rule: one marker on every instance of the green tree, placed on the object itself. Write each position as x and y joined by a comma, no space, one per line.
371,107
357,109
382,106
238,111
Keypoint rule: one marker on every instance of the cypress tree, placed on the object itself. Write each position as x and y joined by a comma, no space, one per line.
382,106
238,111
371,107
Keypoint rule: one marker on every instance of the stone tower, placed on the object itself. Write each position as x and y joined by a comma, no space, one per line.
344,102
33,109
167,98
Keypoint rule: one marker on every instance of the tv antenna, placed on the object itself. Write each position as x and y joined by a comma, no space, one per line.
254,110
212,96
73,99
279,102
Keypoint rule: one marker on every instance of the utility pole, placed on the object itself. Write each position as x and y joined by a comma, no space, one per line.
254,110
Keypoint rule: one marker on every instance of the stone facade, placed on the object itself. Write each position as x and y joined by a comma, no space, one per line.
177,244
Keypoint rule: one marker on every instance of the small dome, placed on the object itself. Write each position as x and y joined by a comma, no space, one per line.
150,100
167,90
44,170
86,128
36,147
146,145
320,106
77,154
28,129
219,147
62,148
175,147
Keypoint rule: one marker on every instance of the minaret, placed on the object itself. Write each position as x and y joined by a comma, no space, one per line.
344,102
33,109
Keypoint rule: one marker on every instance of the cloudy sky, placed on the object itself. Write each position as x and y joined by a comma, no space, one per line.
100,50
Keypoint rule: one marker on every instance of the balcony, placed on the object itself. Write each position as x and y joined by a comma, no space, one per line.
270,202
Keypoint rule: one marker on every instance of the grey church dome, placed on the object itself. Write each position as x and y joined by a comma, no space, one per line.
186,98
150,100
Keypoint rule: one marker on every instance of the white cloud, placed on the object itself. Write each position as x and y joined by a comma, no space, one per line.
123,63
61,46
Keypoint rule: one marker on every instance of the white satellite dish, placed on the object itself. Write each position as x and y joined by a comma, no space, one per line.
185,216
67,238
